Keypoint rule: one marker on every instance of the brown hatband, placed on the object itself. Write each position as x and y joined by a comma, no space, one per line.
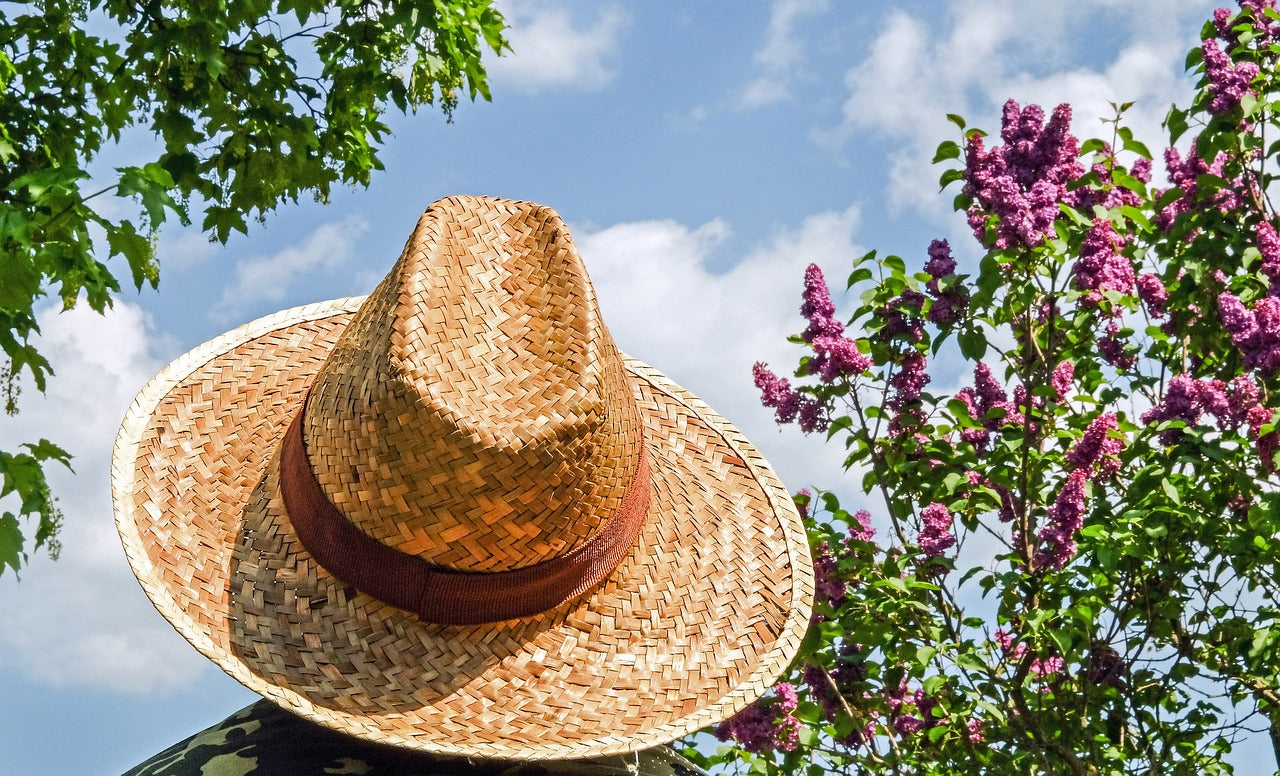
441,595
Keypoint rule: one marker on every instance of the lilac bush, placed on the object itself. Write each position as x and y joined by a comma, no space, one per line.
1082,562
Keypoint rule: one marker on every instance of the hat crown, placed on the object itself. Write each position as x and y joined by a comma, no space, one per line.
476,412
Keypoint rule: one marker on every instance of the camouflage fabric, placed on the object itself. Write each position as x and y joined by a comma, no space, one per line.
265,740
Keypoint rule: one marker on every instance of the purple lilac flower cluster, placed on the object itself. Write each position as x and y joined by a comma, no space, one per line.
902,316
848,675
1022,401
1008,508
1103,265
986,395
1263,27
1047,666
898,700
1066,517
1223,20
1268,444
1106,666
949,303
789,405
1108,194
1022,182
767,725
989,396
860,529
908,382
1268,242
837,356
1040,667
1095,456
815,678
1153,294
1061,379
910,711
803,498
978,436
1266,27
1228,81
827,584
1256,332
935,530
1098,449
1183,175
1232,405
1112,348
1008,645
1182,401
941,264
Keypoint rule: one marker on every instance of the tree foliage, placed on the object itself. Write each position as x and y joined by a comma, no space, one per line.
1083,557
252,103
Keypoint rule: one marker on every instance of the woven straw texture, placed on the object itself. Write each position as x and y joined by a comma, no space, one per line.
695,623
414,394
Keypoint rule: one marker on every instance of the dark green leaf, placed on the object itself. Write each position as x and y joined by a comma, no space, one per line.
973,344
1194,57
150,184
11,553
925,654
15,226
139,251
1137,147
949,177
1176,122
859,275
44,450
947,149
1092,145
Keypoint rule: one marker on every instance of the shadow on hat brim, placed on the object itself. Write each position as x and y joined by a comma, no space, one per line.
698,621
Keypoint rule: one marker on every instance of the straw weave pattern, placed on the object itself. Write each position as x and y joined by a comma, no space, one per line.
693,625
475,413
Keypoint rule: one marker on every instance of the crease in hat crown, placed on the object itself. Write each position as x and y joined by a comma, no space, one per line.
476,412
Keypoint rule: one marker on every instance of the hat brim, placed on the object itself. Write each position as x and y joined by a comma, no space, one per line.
698,621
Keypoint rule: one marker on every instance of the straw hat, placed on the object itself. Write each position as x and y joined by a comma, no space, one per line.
453,516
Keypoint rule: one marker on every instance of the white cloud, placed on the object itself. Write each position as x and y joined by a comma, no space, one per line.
876,98
691,119
179,248
270,278
83,620
983,54
549,49
1140,73
705,330
781,54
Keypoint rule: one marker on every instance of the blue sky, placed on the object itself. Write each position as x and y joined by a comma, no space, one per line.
702,154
